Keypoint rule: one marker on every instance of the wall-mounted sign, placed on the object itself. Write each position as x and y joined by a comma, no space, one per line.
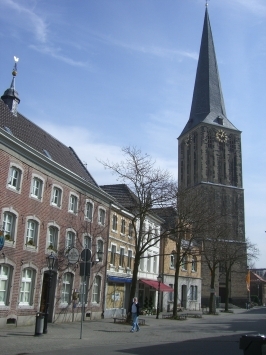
73,256
2,240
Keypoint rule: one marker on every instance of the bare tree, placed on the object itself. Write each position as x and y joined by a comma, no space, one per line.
192,218
234,257
151,188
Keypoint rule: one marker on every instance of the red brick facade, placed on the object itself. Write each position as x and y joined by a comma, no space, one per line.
22,293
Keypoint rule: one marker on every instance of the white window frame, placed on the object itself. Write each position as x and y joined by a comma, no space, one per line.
172,261
27,287
32,234
66,291
100,247
11,231
56,199
101,215
96,290
5,284
73,238
87,245
73,203
52,245
193,292
37,184
14,183
89,211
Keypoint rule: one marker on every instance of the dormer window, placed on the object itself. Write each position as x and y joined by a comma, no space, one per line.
220,120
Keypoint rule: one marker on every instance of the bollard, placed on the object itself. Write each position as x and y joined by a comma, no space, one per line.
39,324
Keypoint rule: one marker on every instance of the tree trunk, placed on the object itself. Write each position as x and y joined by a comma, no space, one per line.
212,294
133,285
177,266
227,275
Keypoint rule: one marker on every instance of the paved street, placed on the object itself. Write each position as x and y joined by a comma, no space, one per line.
208,335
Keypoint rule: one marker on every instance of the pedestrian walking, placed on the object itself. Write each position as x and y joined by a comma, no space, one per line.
134,310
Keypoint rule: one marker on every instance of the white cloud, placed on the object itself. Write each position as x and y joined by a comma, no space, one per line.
151,50
55,53
29,19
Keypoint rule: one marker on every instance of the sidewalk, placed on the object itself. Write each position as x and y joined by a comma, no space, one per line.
104,332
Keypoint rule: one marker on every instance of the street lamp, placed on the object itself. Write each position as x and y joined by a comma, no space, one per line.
50,264
159,279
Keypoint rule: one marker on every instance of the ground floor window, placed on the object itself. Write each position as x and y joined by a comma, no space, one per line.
193,293
27,287
66,288
96,289
5,273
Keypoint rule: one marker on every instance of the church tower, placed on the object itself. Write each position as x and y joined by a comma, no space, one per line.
209,156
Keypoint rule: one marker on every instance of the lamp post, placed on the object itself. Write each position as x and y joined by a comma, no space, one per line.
50,264
159,279
85,271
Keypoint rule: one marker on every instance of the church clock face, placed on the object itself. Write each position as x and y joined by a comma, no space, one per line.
221,136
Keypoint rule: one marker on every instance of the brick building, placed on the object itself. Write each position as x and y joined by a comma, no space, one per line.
49,203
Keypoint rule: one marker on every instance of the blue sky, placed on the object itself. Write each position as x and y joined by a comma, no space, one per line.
103,74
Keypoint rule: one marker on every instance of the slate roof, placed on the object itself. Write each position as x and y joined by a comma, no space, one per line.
37,138
207,103
122,193
168,214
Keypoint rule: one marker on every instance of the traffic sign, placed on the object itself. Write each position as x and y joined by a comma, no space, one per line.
86,255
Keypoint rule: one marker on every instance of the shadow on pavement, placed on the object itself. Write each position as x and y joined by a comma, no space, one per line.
217,346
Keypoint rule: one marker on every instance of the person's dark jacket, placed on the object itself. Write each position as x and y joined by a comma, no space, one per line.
137,306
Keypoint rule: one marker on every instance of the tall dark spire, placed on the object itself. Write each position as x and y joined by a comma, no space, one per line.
10,97
207,103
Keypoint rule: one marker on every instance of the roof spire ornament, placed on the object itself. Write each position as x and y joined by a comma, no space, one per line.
10,96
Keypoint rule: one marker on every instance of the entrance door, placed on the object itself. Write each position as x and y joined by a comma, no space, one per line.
44,298
184,296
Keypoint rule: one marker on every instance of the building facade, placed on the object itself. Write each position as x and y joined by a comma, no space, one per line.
209,157
49,203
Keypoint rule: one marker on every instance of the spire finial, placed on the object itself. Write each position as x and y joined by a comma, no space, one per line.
207,3
14,71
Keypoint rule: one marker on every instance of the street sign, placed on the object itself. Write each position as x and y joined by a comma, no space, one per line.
2,240
85,255
85,264
73,256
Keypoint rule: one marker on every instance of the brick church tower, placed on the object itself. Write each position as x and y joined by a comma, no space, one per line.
209,156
